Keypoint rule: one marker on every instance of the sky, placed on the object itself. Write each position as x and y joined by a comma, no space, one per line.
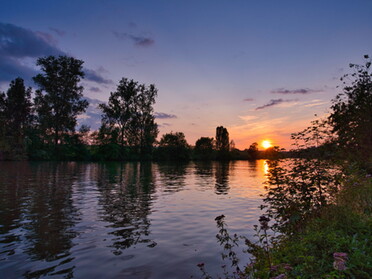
262,69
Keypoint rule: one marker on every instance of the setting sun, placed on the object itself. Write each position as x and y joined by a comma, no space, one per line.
266,144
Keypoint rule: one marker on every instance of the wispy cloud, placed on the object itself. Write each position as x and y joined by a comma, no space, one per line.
164,125
274,102
57,31
11,68
94,89
315,103
137,40
248,100
295,91
92,116
162,115
96,76
248,118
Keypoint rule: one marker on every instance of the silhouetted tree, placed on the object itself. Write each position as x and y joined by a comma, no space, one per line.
4,145
351,116
253,151
59,99
173,146
204,148
222,142
130,112
15,118
232,145
106,144
271,153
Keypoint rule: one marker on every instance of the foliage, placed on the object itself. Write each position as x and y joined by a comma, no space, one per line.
270,153
253,151
59,99
204,149
343,227
222,143
299,190
351,116
129,114
15,119
173,146
339,227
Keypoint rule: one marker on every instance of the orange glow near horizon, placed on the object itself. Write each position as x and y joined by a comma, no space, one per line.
266,144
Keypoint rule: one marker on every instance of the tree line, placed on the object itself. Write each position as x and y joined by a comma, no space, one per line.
44,127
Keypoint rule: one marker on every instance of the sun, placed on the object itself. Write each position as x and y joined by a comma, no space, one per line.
266,144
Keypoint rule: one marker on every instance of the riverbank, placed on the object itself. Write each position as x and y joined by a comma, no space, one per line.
334,243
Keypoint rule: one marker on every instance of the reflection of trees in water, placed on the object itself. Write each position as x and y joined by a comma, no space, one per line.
126,197
222,172
253,168
52,215
48,214
172,176
204,168
204,175
12,191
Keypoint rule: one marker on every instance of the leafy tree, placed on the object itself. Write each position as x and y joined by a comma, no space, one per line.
173,146
204,148
15,117
222,142
4,142
76,145
105,141
59,99
130,112
351,116
297,189
271,152
253,151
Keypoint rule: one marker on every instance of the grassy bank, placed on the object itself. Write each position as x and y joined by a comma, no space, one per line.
342,227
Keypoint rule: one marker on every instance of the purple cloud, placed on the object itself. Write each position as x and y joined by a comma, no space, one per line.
11,68
19,42
59,32
295,91
274,102
162,115
248,100
95,89
164,125
95,76
92,116
138,40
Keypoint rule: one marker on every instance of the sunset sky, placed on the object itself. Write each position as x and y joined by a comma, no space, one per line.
262,69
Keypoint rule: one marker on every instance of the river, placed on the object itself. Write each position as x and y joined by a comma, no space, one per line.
122,220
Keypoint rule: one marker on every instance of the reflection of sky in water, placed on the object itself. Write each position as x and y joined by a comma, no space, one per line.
132,220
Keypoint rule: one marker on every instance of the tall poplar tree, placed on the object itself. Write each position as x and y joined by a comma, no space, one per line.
59,99
222,142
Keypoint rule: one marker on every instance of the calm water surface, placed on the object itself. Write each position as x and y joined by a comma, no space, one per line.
122,220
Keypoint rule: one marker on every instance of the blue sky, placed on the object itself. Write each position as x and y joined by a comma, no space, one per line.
260,68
